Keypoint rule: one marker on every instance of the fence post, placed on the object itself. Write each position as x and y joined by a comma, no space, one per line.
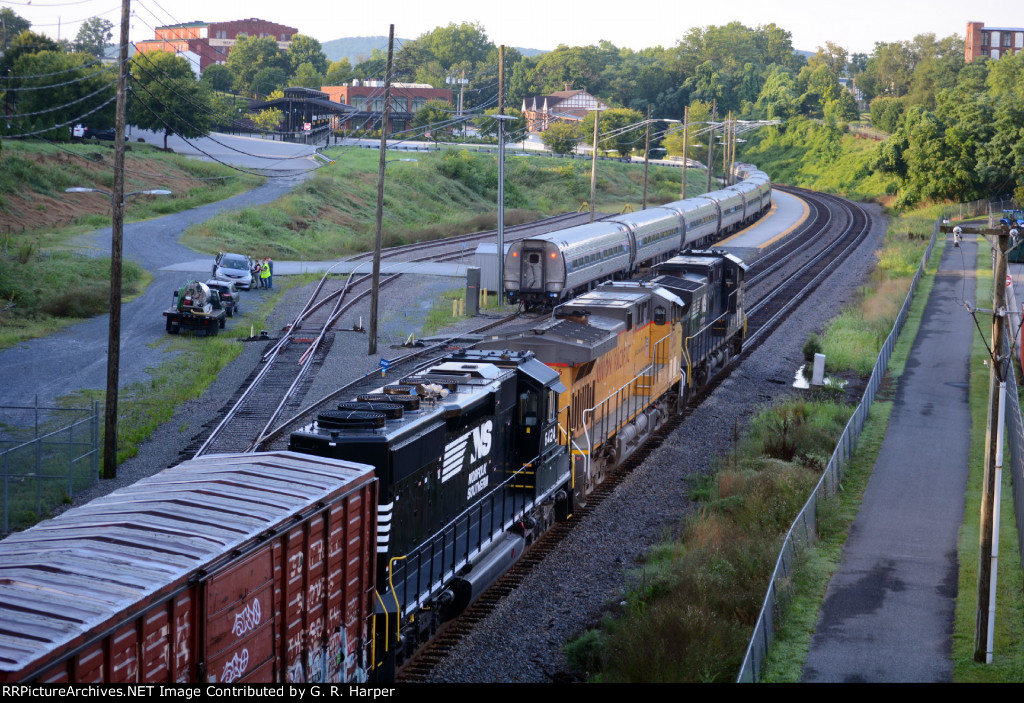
7,493
39,463
71,459
95,440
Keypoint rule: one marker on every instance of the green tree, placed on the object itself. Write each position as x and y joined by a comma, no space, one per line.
515,129
249,56
700,115
779,98
11,25
886,113
268,120
28,42
614,130
831,55
466,42
707,85
64,90
819,86
561,137
304,50
339,73
267,80
307,77
226,110
217,77
166,96
434,119
93,36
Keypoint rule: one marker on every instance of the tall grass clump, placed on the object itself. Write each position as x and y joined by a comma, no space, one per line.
696,599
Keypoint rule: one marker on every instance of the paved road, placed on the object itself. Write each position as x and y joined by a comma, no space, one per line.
75,358
251,153
888,611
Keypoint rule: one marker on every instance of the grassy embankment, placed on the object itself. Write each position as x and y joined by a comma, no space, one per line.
698,595
45,282
442,194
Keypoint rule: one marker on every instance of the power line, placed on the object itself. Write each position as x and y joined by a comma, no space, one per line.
67,104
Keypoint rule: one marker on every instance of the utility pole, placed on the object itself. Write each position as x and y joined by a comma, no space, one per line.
501,175
647,154
377,238
116,245
593,166
711,145
686,144
727,149
988,538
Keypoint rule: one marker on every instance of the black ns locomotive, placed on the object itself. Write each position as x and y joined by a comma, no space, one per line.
471,467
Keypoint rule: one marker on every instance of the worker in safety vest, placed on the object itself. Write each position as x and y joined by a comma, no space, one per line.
265,274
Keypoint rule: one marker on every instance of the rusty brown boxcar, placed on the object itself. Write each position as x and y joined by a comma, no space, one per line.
229,568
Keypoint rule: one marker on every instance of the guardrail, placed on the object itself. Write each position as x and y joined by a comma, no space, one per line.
45,461
804,527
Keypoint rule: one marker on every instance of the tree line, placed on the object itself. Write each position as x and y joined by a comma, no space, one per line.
955,127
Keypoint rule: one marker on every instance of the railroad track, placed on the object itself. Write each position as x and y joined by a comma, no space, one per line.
275,389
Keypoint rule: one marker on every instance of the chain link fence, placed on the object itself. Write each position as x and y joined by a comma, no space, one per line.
804,527
47,455
991,208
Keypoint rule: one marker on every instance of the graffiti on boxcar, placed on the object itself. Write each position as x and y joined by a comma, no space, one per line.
294,565
235,667
182,630
316,591
248,618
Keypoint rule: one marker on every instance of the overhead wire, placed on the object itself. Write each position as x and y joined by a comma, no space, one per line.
47,86
65,105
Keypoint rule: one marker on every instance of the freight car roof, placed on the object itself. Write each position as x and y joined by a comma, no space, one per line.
66,576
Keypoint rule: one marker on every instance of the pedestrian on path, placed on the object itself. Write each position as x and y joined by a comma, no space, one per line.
265,274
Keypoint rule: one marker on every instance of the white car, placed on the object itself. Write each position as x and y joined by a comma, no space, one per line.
233,267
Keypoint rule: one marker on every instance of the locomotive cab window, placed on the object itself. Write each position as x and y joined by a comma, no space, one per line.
660,315
528,409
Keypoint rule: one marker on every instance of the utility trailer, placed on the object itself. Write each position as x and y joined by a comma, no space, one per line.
196,308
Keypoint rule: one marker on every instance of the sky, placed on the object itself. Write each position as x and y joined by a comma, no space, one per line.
854,26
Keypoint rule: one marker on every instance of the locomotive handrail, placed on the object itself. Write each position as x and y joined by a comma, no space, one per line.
425,554
700,334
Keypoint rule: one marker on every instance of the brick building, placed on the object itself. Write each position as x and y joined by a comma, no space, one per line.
367,100
992,41
562,106
207,43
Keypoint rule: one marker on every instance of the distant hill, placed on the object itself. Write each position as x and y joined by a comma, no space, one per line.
357,49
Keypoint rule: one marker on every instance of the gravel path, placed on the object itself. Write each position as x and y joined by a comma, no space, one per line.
76,357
